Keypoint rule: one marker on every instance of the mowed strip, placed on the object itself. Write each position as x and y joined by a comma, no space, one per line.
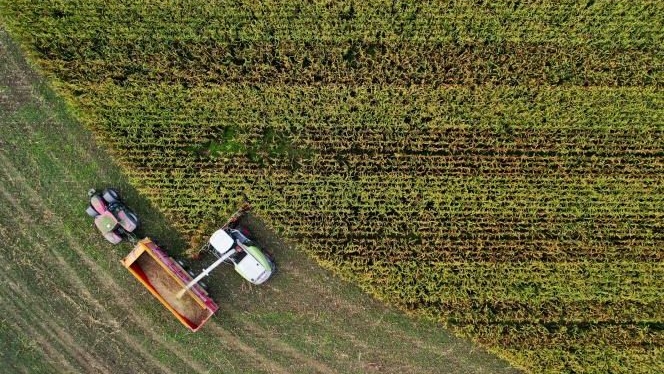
95,298
60,318
28,207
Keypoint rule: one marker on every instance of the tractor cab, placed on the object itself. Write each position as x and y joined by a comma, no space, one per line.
248,259
112,217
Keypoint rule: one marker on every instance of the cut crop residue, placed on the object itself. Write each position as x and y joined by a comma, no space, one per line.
168,287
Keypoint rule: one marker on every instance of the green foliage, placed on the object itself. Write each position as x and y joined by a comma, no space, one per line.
497,167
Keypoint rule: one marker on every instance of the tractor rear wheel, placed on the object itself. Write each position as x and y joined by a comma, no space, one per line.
91,211
132,216
111,195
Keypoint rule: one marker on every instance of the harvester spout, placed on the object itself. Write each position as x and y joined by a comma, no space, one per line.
202,275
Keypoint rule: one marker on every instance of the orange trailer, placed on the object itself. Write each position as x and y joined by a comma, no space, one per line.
164,278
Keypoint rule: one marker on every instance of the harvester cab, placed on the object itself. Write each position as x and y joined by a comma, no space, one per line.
233,246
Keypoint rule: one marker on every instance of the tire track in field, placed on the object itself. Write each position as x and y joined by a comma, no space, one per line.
70,275
112,286
108,280
22,84
48,348
325,293
10,72
285,348
40,320
27,321
103,279
52,329
265,361
41,316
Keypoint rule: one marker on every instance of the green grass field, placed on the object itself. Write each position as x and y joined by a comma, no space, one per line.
496,167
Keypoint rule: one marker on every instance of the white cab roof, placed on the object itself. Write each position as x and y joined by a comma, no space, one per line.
221,241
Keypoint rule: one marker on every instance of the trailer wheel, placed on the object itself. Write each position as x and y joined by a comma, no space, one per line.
111,195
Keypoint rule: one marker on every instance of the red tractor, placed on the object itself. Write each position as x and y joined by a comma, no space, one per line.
112,217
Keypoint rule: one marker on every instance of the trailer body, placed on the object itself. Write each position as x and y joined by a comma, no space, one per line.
164,278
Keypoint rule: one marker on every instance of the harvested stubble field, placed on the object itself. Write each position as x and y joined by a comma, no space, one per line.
495,166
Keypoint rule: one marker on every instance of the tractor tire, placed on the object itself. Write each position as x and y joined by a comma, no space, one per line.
111,195
132,216
91,211
113,237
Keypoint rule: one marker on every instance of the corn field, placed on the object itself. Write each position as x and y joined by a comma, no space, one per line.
495,166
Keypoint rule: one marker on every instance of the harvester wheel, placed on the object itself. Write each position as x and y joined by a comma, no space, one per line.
111,195
91,211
